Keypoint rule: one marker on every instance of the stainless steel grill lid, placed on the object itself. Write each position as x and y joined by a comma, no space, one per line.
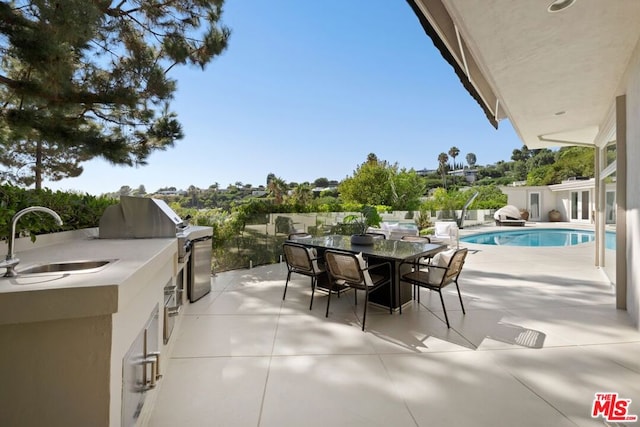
138,218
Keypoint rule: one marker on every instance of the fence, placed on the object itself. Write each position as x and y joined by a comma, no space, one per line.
260,242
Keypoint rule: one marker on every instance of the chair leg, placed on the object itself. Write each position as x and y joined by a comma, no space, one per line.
366,303
313,290
391,297
460,297
446,318
329,299
286,284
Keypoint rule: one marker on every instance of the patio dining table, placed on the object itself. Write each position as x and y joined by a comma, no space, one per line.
394,251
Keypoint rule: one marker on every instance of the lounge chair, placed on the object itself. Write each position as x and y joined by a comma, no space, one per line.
509,215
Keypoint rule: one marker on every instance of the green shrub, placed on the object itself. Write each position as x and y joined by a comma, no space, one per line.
76,210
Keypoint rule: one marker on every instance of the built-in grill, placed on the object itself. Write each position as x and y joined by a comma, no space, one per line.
145,218
194,249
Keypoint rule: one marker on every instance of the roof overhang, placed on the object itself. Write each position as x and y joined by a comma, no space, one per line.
578,184
554,75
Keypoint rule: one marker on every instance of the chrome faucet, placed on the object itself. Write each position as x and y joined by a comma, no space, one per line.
11,261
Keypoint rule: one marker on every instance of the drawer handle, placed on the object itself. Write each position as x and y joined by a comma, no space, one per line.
149,382
156,354
152,359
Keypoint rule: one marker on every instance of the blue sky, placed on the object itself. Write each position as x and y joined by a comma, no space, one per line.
307,90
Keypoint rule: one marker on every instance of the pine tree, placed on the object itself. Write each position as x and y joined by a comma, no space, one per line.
93,76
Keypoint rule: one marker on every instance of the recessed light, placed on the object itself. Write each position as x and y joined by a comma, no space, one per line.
559,5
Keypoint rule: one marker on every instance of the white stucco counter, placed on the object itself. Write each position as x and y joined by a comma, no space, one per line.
61,295
65,335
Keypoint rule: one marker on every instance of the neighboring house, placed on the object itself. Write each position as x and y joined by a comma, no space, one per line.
171,193
573,198
425,172
469,174
563,72
318,190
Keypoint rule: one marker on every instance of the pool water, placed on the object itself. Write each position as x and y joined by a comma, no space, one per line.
539,237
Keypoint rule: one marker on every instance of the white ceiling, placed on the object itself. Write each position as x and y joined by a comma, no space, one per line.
540,63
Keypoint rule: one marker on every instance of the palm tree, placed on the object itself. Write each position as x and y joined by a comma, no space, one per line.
277,187
302,194
443,159
453,152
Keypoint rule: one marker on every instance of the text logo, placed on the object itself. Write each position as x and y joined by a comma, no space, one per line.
612,408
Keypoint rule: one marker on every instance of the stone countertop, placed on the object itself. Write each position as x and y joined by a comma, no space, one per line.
63,295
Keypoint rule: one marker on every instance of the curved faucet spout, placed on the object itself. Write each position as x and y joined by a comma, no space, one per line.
11,261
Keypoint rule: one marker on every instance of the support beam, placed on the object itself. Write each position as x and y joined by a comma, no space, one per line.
621,197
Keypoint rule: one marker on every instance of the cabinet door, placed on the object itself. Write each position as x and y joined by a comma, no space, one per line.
140,369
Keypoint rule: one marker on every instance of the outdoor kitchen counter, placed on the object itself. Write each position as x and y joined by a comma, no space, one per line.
65,295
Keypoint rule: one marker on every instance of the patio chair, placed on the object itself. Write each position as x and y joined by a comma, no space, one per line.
302,260
348,269
419,239
443,269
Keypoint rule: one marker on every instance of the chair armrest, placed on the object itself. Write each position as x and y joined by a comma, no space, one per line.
436,266
416,263
382,264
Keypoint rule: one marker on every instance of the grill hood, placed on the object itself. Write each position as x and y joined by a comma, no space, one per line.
139,218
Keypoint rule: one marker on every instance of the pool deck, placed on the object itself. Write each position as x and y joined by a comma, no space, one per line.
540,338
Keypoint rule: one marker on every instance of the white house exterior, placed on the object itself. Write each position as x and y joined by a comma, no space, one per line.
574,199
538,200
564,73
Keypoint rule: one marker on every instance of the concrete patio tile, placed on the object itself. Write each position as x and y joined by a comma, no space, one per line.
203,305
226,335
255,300
270,275
466,389
497,329
624,354
349,391
568,378
414,331
312,334
589,324
204,392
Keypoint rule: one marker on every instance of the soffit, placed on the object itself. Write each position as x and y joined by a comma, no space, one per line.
539,64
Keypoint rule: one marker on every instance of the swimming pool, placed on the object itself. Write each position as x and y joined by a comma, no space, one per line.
539,237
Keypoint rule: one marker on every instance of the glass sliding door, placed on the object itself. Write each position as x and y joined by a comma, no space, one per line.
580,207
585,206
534,206
610,207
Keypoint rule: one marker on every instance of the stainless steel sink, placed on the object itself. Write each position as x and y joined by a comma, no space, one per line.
67,267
